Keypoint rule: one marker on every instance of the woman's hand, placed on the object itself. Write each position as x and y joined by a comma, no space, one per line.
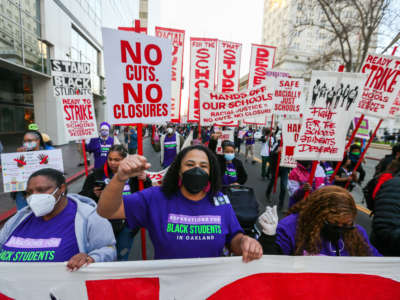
97,191
132,166
251,249
79,260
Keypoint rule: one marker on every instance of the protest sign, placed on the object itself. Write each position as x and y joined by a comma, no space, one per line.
262,59
18,166
229,57
72,88
177,38
363,131
394,110
203,55
328,115
370,278
225,135
290,135
381,86
138,71
157,177
227,107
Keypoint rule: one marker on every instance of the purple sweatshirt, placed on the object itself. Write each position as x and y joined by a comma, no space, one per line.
100,149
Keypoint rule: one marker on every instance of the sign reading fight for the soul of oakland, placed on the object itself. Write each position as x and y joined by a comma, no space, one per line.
331,106
72,86
138,72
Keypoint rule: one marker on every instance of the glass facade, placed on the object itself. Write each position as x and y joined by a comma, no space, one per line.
93,9
20,38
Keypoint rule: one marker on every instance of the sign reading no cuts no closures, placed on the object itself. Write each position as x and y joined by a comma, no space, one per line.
227,107
381,86
72,88
138,71
331,106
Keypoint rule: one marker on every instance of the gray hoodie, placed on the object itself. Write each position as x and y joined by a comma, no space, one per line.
94,234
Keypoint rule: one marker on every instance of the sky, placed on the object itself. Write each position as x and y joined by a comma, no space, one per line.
230,20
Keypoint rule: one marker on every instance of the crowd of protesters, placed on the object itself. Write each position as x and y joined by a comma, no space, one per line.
100,222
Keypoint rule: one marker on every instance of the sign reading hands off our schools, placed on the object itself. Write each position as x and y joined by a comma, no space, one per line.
138,72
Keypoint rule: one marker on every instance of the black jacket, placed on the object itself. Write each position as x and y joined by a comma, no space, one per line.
383,164
385,234
240,170
98,175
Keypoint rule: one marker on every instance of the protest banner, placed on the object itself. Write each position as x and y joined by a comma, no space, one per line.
228,75
290,135
381,86
223,107
72,89
363,130
328,115
225,135
262,60
394,110
138,70
370,278
177,38
18,166
203,55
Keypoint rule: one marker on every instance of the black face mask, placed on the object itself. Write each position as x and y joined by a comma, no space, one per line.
195,180
333,232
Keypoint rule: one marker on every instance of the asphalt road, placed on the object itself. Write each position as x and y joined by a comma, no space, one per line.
255,181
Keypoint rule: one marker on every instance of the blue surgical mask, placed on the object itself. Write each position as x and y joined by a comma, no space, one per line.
229,156
30,145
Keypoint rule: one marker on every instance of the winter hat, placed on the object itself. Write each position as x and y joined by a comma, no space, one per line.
105,125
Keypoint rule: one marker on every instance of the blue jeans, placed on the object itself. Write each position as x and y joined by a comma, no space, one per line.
124,243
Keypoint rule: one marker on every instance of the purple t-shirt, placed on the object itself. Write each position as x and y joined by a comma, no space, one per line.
230,175
100,149
37,240
286,233
250,136
169,150
181,228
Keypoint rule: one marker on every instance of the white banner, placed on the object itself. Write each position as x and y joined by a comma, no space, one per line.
18,166
272,277
395,109
262,60
138,72
177,38
72,88
381,86
290,135
203,54
229,57
221,107
328,115
225,135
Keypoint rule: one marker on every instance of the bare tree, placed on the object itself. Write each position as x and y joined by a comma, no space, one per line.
352,27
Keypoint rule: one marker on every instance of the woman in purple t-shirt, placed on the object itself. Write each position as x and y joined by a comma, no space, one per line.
187,217
321,224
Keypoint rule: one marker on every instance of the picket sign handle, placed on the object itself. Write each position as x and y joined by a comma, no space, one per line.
365,151
312,174
277,165
85,157
347,148
139,128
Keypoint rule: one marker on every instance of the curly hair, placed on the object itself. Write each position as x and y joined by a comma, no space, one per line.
313,212
170,183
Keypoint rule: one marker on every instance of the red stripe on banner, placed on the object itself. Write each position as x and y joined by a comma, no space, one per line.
4,297
123,289
305,286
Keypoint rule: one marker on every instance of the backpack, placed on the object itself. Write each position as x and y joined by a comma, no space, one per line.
368,191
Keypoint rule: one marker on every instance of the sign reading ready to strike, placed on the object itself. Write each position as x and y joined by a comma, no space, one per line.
138,70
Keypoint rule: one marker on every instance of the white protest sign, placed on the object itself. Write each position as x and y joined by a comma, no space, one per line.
221,278
381,86
18,166
225,135
229,57
328,115
395,109
203,54
72,88
157,177
138,71
177,38
224,107
290,135
262,60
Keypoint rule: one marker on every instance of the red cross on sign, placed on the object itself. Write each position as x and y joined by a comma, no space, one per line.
136,28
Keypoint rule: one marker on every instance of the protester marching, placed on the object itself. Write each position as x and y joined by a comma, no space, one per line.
173,197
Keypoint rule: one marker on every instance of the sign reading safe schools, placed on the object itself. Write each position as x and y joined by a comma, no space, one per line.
138,71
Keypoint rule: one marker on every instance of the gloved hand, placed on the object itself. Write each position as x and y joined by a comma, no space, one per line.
269,220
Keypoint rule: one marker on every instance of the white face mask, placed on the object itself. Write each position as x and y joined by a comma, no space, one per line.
30,145
170,130
42,204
